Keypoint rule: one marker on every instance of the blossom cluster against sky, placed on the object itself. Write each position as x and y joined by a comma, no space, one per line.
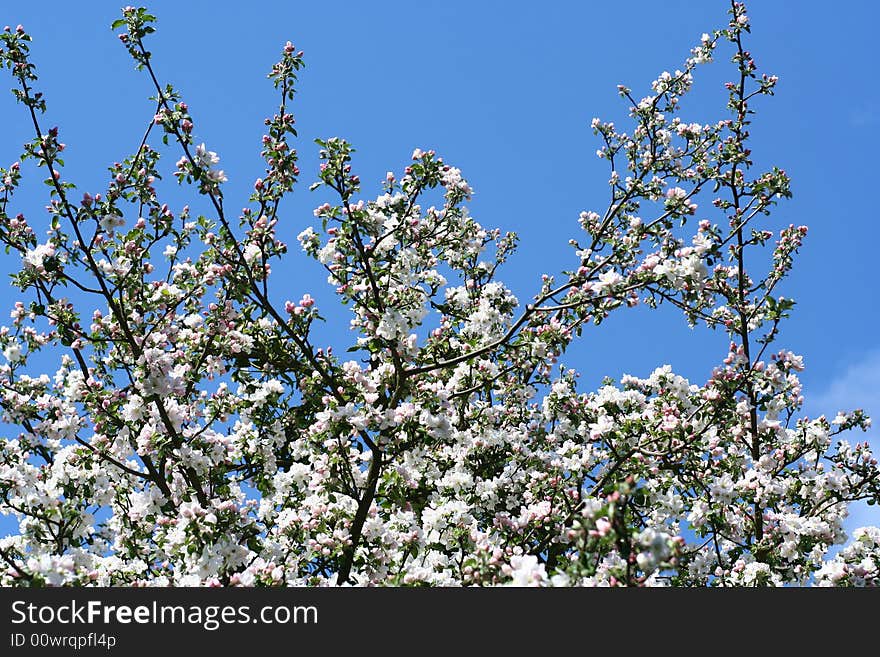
506,92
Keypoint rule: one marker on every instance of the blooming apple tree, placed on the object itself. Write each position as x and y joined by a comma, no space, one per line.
193,432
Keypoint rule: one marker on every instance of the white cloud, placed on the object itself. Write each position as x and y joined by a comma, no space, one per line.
862,117
857,387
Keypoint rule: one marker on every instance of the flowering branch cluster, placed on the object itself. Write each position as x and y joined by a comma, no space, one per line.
193,432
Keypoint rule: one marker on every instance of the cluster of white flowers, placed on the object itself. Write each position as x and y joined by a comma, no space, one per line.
195,434
36,258
858,564
208,160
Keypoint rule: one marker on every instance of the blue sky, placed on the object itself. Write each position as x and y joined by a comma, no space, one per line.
506,91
